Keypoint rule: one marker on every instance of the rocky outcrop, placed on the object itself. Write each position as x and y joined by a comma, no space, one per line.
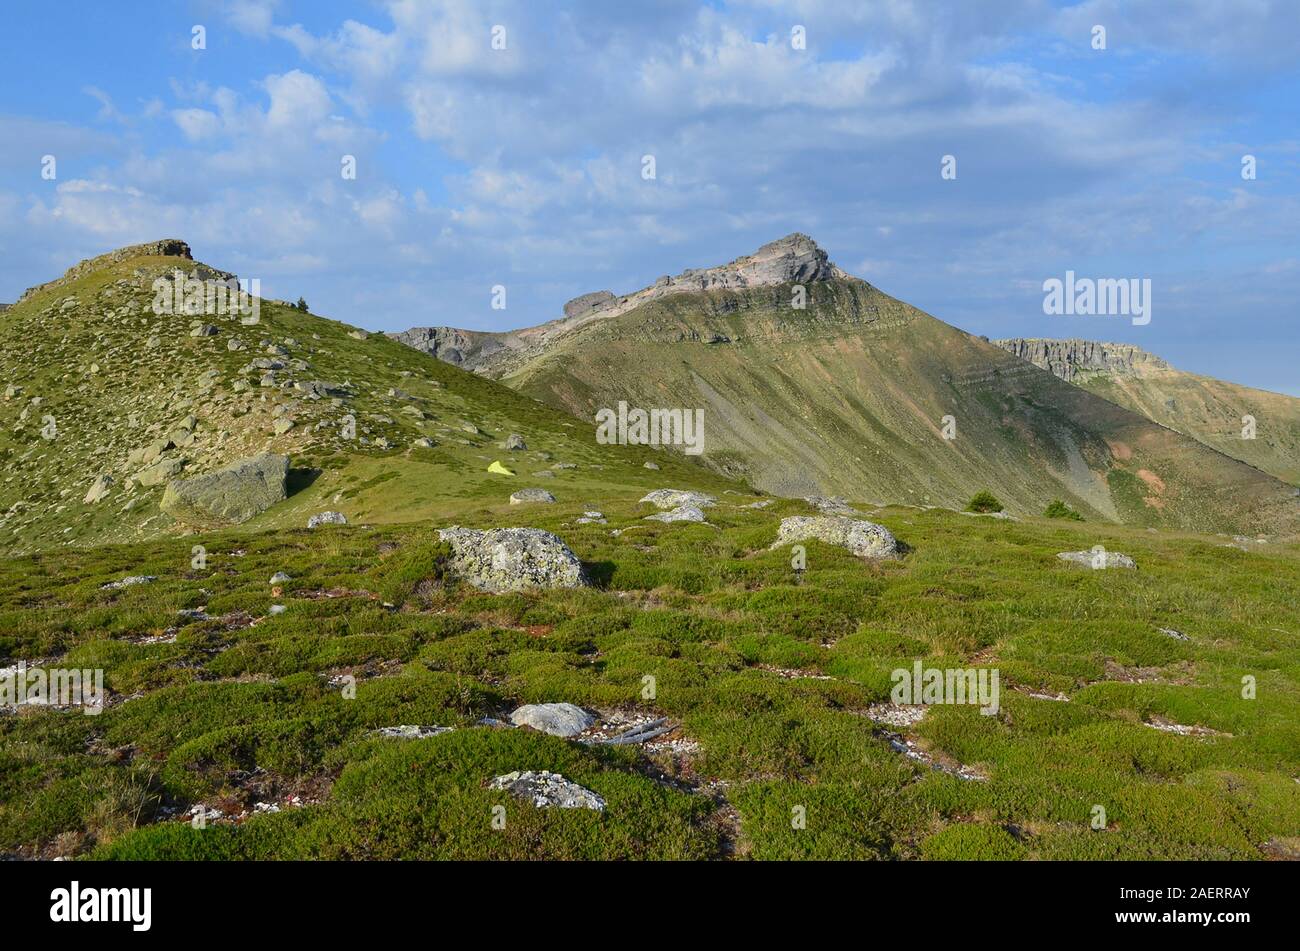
167,247
1070,359
587,302
512,559
458,347
864,539
228,496
794,259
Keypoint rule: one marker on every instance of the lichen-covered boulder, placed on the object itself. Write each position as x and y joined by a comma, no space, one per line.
228,496
531,495
512,559
544,789
675,498
865,539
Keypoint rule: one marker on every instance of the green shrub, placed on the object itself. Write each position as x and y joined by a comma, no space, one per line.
984,501
1058,509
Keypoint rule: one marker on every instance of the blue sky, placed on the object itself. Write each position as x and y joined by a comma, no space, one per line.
522,166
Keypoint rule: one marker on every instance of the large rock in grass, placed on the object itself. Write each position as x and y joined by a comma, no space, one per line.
557,719
1098,558
865,539
512,559
228,496
676,498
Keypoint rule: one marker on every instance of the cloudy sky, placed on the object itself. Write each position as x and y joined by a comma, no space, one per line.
523,166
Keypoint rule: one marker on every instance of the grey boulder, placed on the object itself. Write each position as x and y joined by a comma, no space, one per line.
231,495
512,559
557,719
864,539
531,495
674,498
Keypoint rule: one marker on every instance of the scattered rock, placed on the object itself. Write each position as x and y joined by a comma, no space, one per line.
683,513
98,489
512,559
128,582
327,518
864,539
410,732
531,495
1176,635
515,442
159,473
545,789
231,495
833,505
1098,558
674,498
557,719
280,577
651,465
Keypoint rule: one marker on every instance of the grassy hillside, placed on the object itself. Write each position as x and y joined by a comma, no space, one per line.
849,397
770,680
116,378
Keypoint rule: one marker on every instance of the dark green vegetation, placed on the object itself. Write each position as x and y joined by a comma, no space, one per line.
243,707
984,501
1058,509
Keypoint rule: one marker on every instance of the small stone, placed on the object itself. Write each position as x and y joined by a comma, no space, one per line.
531,495
544,789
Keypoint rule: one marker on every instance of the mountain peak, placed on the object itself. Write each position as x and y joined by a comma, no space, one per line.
796,258
165,247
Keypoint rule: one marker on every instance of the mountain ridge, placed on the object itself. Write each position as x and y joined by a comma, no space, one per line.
850,394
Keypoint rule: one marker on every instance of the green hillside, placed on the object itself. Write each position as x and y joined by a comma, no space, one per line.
117,379
849,396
